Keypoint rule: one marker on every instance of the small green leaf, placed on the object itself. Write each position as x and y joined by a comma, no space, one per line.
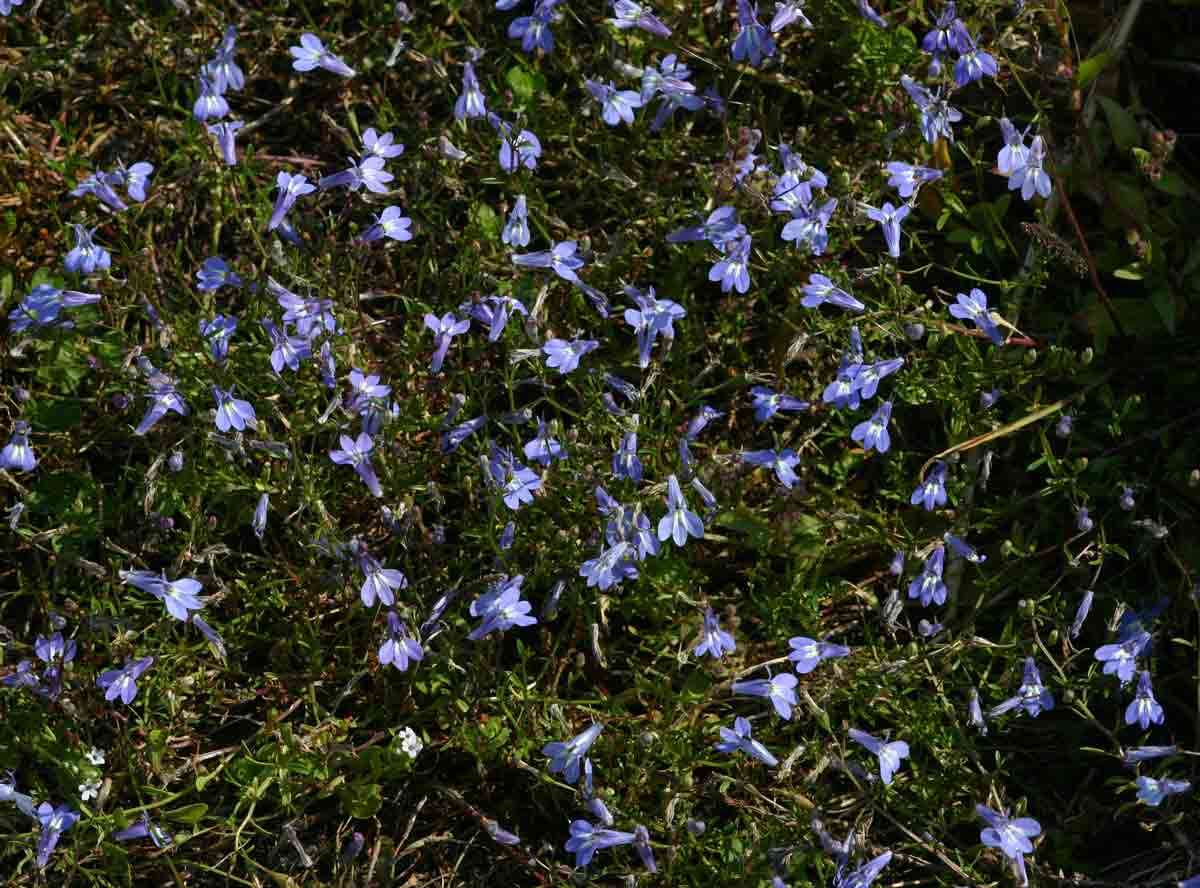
188,813
1121,124
1130,272
524,83
1089,69
1164,303
361,800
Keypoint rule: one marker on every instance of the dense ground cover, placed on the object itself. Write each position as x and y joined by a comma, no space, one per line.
333,515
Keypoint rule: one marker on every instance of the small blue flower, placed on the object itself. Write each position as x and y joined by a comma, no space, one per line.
889,754
928,587
715,641
680,522
516,226
17,455
807,653
564,356
733,270
740,739
973,307
873,434
1152,791
1145,710
399,647
566,757
779,689
931,493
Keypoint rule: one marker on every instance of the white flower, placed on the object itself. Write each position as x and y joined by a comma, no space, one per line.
89,789
96,756
410,742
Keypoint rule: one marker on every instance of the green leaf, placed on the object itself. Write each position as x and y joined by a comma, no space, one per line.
56,416
1130,272
486,218
1121,124
188,813
524,83
1171,183
361,800
1089,69
1163,300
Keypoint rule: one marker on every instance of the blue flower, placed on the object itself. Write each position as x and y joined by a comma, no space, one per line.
1152,791
810,226
232,413
392,224
733,270
781,461
17,455
586,840
806,653
907,178
821,289
55,821
788,13
215,273
779,689
290,189
311,53
399,647
1121,658
501,608
617,106
517,483
889,219
1145,710
1014,153
1029,175
635,15
931,493
544,449
740,739
873,434
42,306
516,226
226,134
720,227
564,356
86,257
889,754
625,462
974,64
1011,836
356,452
973,307
767,403
937,114
123,682
210,104
610,567
534,30
753,41
561,259
566,757
522,150
444,329
179,596
470,102
1032,695
680,522
715,641
222,69
928,587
